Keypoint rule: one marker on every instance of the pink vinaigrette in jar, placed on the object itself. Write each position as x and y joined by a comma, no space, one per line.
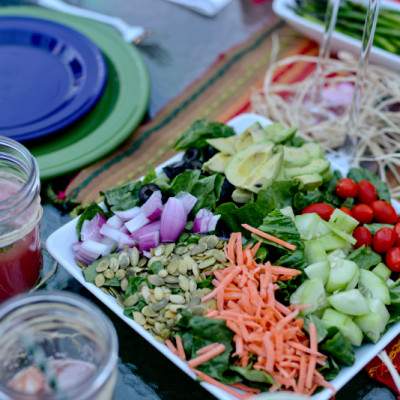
20,212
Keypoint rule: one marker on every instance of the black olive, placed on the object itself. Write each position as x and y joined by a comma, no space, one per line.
226,192
174,169
195,164
192,154
208,152
147,190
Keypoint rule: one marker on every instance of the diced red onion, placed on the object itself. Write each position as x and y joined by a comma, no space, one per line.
127,215
90,229
90,251
205,221
115,234
124,229
149,241
173,220
149,228
187,200
115,222
136,223
76,245
153,207
147,254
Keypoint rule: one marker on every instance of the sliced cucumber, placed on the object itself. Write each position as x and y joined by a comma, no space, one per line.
341,233
335,254
310,292
331,241
345,324
343,221
382,271
310,226
374,323
371,286
350,302
318,269
314,251
342,273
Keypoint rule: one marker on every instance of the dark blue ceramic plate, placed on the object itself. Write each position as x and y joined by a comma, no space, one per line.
50,76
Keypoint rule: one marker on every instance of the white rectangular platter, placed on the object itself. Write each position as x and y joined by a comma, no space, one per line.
340,41
59,246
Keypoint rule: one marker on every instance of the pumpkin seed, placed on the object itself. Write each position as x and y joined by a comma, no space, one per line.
145,291
199,248
139,318
184,283
162,273
105,290
108,273
198,310
207,263
159,251
99,280
142,262
181,250
165,333
171,279
124,284
114,264
156,280
120,301
124,260
148,312
173,265
132,300
120,274
158,293
103,265
177,299
212,241
169,249
113,291
134,257
159,305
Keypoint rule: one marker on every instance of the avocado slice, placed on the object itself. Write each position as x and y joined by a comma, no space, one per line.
217,163
248,136
316,166
224,145
301,156
241,196
255,167
309,182
278,133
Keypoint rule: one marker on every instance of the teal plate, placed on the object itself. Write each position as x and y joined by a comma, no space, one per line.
119,111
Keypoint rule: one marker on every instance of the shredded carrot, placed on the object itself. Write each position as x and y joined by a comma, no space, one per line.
269,237
171,346
245,388
207,356
179,347
206,348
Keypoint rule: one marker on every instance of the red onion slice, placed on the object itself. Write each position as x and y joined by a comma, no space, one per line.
149,241
149,228
205,221
90,229
126,215
122,238
187,200
173,220
115,222
136,223
153,207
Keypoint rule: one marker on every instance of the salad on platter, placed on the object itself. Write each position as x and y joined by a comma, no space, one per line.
250,258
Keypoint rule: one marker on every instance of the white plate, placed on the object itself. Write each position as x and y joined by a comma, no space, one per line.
59,246
340,41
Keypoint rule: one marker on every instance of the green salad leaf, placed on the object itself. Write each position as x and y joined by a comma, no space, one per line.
199,131
198,332
122,198
365,257
207,189
338,347
90,272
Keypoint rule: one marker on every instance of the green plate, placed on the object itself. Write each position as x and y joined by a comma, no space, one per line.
116,115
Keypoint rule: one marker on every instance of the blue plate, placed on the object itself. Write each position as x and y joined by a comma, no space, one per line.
50,76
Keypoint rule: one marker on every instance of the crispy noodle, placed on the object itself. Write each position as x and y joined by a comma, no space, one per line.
378,128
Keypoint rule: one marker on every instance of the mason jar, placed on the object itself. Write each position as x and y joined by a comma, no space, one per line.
21,258
56,345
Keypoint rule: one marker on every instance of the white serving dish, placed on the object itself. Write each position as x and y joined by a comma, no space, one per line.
59,246
340,41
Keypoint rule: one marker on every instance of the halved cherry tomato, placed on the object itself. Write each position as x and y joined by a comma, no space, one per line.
383,240
346,187
396,230
322,209
346,210
362,213
392,259
384,212
363,236
366,192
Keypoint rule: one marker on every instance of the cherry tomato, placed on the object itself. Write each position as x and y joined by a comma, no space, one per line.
363,236
392,259
346,210
366,192
383,240
362,213
346,187
322,209
384,212
396,230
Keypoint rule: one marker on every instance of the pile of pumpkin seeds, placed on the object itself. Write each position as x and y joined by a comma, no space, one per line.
151,291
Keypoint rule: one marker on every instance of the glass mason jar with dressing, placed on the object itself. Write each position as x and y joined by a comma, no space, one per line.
20,212
56,346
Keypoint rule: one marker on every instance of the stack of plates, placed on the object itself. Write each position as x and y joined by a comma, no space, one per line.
71,90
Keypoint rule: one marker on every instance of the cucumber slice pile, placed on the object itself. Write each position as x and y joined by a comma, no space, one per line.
337,290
